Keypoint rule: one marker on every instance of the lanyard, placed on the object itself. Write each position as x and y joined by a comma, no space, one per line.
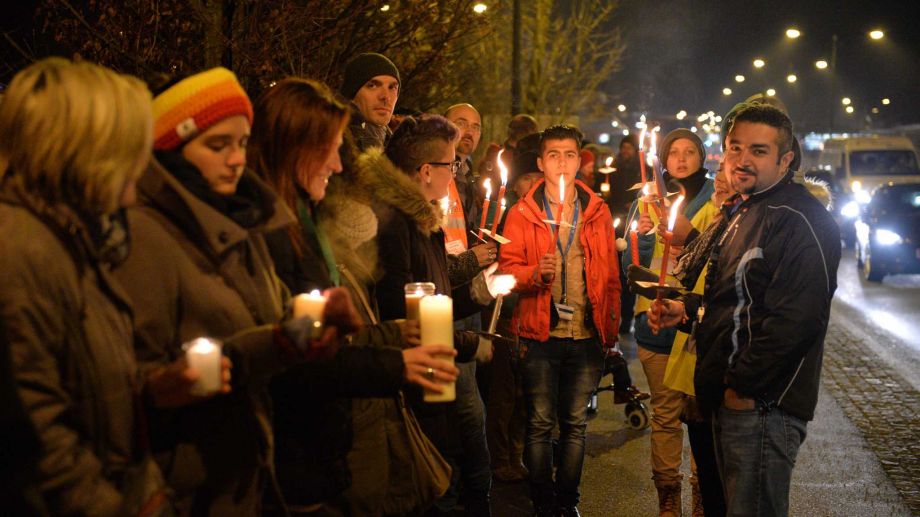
307,220
568,246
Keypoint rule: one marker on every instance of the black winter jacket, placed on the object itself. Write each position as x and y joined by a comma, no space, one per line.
766,302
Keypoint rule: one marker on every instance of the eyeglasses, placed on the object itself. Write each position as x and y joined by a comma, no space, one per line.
464,125
454,166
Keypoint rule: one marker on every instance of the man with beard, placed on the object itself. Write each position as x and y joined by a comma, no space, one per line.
372,85
761,322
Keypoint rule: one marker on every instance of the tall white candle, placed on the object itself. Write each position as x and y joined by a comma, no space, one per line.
310,305
203,355
437,326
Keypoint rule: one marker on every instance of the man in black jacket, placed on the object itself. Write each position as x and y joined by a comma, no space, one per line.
371,83
761,322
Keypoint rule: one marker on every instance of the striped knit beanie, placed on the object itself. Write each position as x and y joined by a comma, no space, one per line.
196,103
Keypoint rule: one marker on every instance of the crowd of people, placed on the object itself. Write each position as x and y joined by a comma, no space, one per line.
141,217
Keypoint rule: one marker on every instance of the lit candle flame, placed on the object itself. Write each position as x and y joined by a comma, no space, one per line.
633,226
609,161
487,183
502,285
675,209
503,171
646,189
616,222
315,292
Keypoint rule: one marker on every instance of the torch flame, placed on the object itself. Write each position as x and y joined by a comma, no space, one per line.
487,183
501,285
674,211
616,222
503,171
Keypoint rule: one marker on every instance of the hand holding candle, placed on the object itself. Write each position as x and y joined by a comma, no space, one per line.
204,356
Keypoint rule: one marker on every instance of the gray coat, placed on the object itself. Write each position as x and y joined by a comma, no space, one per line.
69,330
194,272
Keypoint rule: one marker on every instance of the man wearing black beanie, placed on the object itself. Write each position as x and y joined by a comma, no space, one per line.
371,83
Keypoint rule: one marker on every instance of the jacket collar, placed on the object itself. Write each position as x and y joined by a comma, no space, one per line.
377,175
769,191
158,188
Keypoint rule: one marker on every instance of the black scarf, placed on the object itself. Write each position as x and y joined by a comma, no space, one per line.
692,184
244,207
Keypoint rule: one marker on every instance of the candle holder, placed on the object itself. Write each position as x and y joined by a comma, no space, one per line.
415,291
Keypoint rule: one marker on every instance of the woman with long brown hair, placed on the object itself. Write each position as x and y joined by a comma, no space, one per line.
298,131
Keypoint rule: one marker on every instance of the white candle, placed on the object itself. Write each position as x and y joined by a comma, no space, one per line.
203,355
437,326
310,305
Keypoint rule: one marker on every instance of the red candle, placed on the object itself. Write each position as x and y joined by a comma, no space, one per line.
503,171
665,258
634,242
498,216
485,205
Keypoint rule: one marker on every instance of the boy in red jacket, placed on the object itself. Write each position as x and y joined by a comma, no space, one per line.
567,314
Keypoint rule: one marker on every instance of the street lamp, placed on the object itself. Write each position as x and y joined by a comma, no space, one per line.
480,8
821,64
621,108
849,109
886,101
791,78
876,34
682,114
385,7
759,63
739,78
793,33
726,91
771,92
846,101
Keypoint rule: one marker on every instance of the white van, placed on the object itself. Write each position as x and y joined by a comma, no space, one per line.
858,165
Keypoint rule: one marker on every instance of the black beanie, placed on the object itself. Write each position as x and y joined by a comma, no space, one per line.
675,135
362,69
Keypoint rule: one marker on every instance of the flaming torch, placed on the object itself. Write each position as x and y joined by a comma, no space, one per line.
499,287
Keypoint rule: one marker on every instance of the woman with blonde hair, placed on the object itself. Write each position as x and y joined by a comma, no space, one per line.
74,138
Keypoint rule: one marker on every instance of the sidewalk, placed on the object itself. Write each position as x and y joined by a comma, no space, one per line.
837,472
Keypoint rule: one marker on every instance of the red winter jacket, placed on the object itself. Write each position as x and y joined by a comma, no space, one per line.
531,238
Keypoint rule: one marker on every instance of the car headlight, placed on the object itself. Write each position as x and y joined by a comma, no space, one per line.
850,210
887,237
862,197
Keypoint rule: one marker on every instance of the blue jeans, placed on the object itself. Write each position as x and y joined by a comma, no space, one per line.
559,376
472,466
756,450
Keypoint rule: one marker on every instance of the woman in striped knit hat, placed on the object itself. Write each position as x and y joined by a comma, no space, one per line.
199,267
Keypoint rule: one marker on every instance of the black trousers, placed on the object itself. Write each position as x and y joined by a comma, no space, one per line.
707,470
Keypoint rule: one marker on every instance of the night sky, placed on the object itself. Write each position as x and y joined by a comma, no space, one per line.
681,54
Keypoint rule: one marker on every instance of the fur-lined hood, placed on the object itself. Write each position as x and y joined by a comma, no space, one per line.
385,183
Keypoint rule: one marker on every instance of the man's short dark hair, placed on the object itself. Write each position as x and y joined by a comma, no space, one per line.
560,132
417,141
771,116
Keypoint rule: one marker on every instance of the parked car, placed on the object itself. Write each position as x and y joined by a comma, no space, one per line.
888,232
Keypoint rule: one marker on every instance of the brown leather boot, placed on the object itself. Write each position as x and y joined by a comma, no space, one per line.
668,498
696,497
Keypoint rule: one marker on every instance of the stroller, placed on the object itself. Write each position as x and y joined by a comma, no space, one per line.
624,392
